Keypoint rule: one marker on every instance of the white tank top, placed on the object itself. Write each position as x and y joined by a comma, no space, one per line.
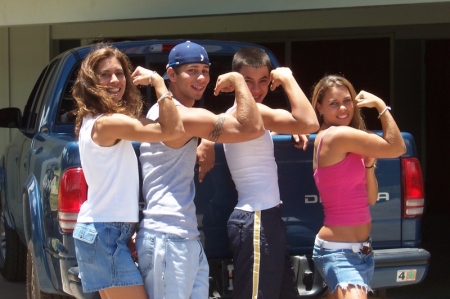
254,172
112,176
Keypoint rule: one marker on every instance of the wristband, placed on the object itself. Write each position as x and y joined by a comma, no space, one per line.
374,165
384,110
165,95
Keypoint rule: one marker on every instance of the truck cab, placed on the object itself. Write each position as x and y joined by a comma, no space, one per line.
42,187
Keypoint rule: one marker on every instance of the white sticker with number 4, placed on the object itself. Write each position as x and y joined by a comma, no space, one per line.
406,275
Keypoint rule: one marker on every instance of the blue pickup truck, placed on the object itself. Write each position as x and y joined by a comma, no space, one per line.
42,187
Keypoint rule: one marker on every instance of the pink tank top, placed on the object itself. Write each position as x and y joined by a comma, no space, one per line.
342,190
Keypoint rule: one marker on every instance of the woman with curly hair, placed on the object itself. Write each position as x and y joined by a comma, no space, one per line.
107,120
344,171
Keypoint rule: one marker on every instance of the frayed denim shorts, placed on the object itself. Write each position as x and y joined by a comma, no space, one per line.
344,267
103,256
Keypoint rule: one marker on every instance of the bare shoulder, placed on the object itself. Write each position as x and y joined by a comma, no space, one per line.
112,119
344,135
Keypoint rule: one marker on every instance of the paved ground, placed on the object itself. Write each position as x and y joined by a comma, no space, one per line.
435,239
9,290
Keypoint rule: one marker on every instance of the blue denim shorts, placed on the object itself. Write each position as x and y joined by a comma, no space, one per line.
344,267
103,256
172,267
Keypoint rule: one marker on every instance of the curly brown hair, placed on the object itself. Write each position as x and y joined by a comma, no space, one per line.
322,86
92,98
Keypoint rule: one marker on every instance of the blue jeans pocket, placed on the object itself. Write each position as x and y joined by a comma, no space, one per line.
85,238
146,249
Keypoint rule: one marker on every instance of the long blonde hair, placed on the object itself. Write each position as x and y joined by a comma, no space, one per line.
322,86
92,98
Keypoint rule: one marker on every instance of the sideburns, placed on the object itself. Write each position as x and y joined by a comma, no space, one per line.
215,134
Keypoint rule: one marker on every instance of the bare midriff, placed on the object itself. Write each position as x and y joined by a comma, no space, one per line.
356,233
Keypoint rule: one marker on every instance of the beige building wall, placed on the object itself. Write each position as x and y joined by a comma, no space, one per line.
24,52
21,12
29,54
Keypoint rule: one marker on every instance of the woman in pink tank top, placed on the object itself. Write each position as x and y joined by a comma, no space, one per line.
344,162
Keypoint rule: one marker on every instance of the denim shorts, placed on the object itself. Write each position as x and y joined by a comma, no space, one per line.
343,267
103,256
172,267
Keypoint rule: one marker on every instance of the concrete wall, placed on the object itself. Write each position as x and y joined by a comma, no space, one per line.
267,23
4,81
24,52
21,12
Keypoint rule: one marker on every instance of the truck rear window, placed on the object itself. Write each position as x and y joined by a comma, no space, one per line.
220,64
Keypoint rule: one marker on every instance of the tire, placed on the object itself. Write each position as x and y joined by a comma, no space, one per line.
32,284
12,255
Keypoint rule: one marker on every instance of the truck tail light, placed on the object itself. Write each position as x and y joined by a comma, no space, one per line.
161,48
413,194
72,193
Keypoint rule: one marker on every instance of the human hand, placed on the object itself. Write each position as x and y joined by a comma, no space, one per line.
368,100
132,247
278,76
206,157
143,76
301,141
369,161
226,82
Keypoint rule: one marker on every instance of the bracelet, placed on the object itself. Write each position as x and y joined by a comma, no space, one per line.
384,110
150,78
165,95
374,165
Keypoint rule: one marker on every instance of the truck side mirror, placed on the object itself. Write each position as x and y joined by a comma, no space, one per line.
10,118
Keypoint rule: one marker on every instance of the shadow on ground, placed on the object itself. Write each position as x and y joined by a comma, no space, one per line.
435,239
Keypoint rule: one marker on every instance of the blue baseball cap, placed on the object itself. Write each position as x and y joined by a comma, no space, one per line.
187,52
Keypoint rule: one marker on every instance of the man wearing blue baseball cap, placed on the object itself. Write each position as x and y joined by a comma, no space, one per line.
171,258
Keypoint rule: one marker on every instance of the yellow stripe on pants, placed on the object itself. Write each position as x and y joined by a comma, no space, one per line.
256,253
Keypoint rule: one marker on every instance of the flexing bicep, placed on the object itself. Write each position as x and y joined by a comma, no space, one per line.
364,143
118,126
283,122
223,128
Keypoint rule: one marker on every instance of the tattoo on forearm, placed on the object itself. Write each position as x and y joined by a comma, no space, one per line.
215,134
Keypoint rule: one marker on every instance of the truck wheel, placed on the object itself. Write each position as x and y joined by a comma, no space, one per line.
32,285
12,255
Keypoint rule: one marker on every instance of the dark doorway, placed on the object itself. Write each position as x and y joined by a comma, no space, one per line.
437,97
365,62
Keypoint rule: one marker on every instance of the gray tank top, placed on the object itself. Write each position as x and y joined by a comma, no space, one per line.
168,187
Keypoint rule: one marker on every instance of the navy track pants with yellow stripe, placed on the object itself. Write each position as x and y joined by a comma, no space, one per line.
262,266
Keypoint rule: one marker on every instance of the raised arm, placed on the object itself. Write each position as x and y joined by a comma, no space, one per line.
143,76
302,119
169,117
367,144
247,122
110,128
393,144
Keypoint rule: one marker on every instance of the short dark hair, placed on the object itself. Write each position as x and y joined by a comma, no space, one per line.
253,57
